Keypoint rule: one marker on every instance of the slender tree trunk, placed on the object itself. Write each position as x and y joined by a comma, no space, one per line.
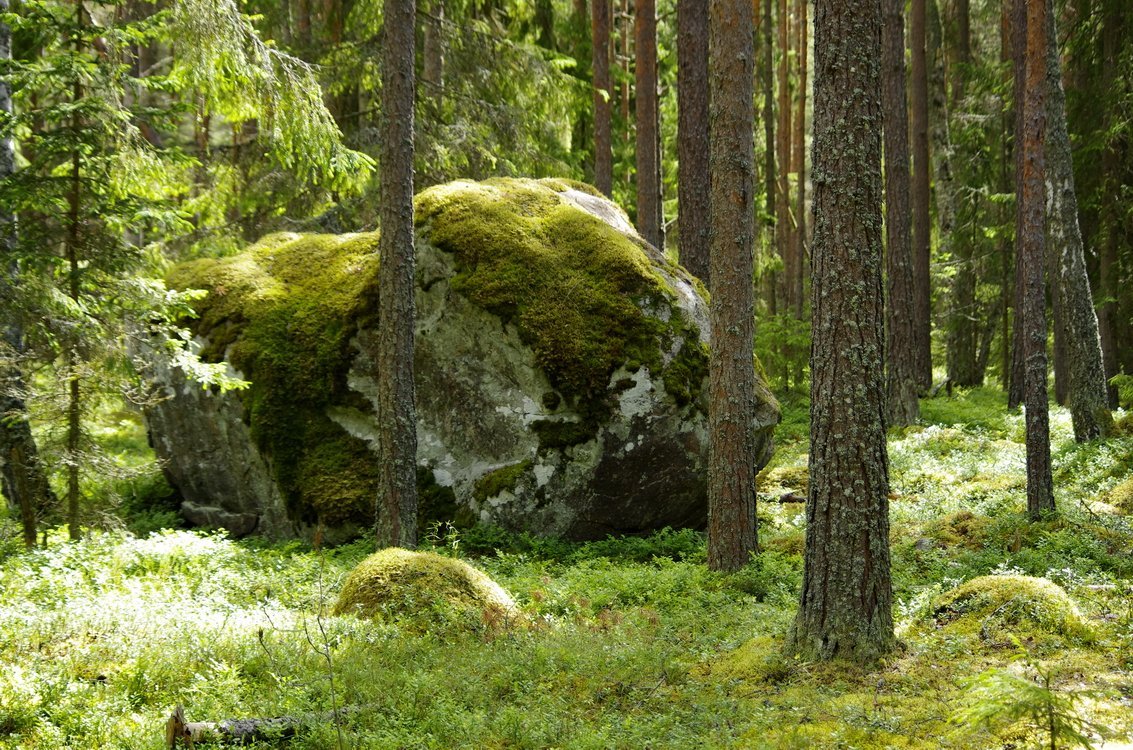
397,500
303,22
731,410
799,253
1112,33
783,149
74,404
1031,233
24,482
920,195
1085,372
650,222
1016,389
694,183
1006,184
770,175
845,609
963,50
603,92
433,50
901,382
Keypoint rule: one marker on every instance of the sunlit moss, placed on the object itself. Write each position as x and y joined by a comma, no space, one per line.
996,605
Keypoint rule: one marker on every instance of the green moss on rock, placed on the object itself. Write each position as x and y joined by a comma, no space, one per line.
283,313
583,295
499,481
1121,496
995,605
423,590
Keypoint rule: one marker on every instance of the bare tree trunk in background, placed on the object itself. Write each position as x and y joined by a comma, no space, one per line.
303,22
24,482
1112,35
694,182
901,383
397,476
650,222
433,50
799,159
603,93
71,359
1076,323
1031,232
1016,390
731,406
770,174
846,603
920,194
783,149
1006,184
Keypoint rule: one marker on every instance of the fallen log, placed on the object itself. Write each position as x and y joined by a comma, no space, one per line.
229,731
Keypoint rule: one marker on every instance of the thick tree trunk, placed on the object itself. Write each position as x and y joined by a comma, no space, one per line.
845,607
650,222
692,135
901,381
1077,322
922,323
603,93
731,408
397,500
1031,233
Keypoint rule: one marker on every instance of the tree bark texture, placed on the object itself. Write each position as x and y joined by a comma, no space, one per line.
603,95
74,404
397,503
650,222
901,380
770,174
1070,284
845,607
1113,33
1031,233
922,324
433,50
1016,384
694,182
731,460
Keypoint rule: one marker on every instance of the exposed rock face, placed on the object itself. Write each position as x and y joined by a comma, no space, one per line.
561,364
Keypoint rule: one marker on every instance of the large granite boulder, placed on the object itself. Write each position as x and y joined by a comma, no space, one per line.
561,364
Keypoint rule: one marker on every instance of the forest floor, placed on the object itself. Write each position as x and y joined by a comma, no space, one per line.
623,643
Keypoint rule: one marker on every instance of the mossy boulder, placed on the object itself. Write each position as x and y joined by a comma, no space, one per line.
561,367
996,607
424,590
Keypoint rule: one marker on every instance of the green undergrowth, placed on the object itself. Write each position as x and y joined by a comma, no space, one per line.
618,643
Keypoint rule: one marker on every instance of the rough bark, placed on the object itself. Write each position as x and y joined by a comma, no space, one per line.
901,381
603,147
1077,321
845,607
650,222
1031,233
397,443
731,453
918,86
71,250
692,135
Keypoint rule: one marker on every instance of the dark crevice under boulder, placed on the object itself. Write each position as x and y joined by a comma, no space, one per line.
561,369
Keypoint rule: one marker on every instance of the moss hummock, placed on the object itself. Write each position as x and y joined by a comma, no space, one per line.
423,590
1023,606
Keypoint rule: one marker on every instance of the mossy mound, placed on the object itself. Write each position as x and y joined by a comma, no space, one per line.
1121,496
960,529
997,605
423,590
794,479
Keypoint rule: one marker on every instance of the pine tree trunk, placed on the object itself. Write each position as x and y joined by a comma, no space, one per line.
650,222
731,407
901,383
1016,388
1108,321
603,94
922,323
783,150
1086,383
74,404
692,135
433,50
845,607
770,174
1031,233
397,500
